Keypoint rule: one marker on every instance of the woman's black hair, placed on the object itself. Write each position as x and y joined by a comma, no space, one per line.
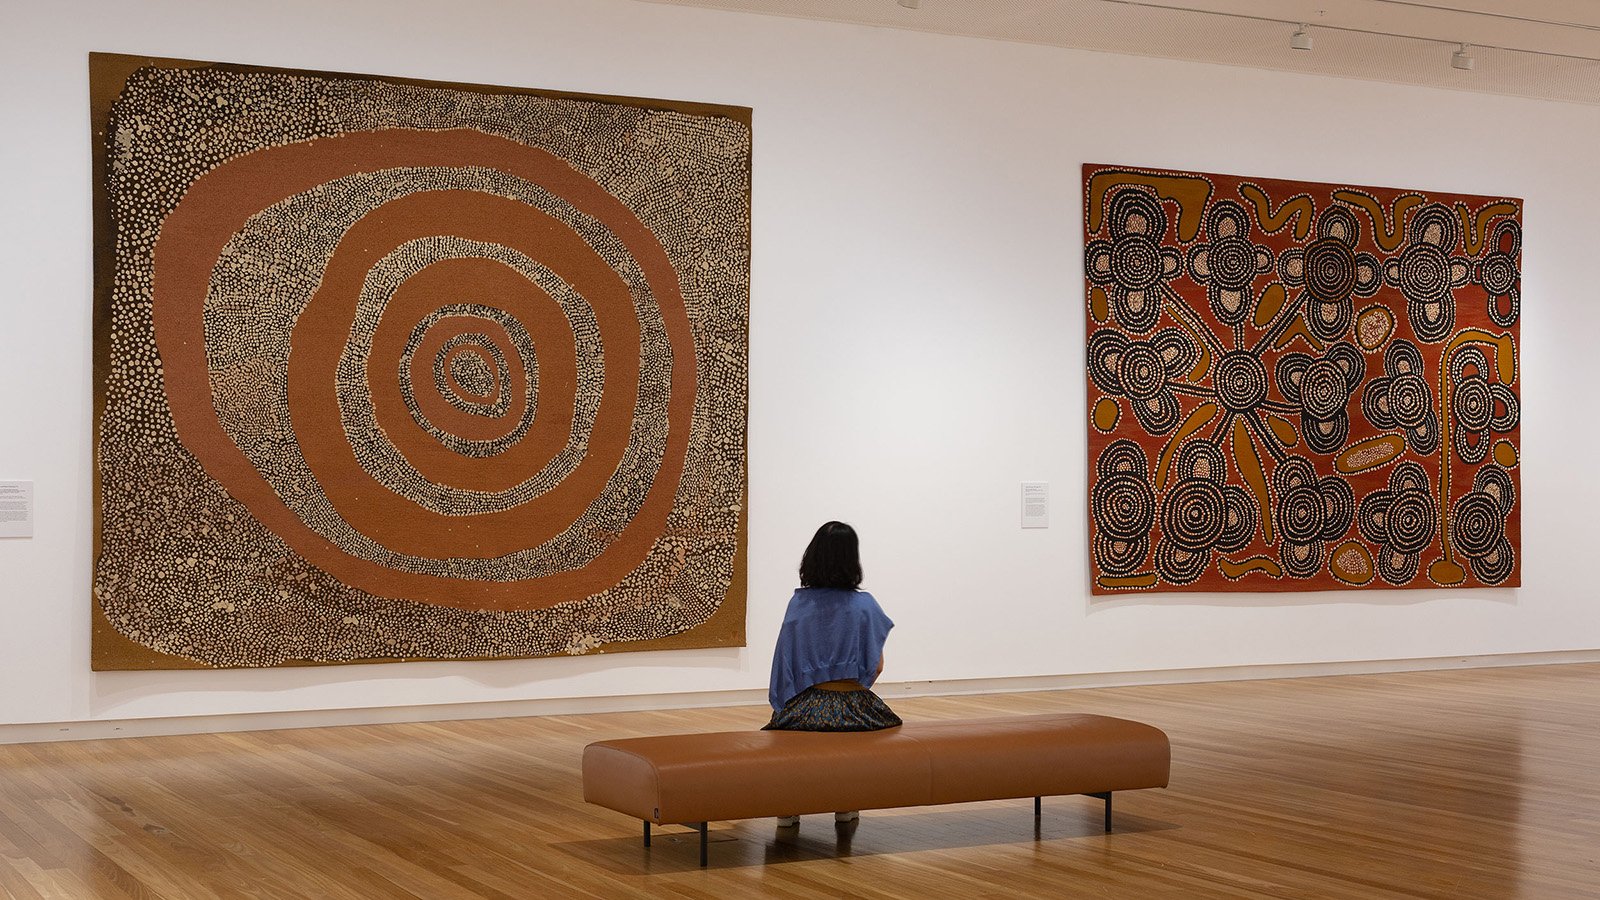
832,559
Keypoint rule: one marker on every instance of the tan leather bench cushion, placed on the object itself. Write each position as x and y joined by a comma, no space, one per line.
749,774
1034,756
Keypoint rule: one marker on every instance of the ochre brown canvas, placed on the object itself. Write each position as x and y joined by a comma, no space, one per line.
1298,386
391,369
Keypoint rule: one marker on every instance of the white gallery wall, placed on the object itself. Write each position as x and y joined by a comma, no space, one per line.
916,341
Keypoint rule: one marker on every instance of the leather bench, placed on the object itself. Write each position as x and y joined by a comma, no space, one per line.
693,779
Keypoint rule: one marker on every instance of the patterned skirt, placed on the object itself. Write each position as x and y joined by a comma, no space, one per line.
823,709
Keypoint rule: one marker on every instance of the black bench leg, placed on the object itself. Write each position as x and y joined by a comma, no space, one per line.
703,839
647,832
1038,807
1106,796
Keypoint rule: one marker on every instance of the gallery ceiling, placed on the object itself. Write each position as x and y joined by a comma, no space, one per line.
1547,49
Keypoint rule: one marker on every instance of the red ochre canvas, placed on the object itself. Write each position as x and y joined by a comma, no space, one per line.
1299,386
394,370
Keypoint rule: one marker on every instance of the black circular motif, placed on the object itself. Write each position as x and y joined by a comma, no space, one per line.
1124,506
1105,350
1467,362
1294,472
1432,320
1227,219
1137,213
1133,263
1201,459
1396,567
1136,310
1375,403
1472,404
1435,225
1495,566
1158,414
1338,507
1136,262
1330,270
1310,510
1291,266
1232,263
1424,437
1141,372
1329,320
1321,388
1241,381
1178,353
1512,313
1339,223
1179,566
1239,519
1300,514
1323,391
1373,514
1301,560
1424,273
1474,401
1471,446
1122,456
1496,482
1325,435
1427,274
1120,557
1410,400
1411,522
1507,398
1193,514
1497,273
1476,524
1402,358
1228,262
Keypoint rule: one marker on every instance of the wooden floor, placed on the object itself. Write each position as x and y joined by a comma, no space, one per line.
1467,784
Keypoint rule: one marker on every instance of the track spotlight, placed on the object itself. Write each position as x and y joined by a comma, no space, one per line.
1301,39
1461,60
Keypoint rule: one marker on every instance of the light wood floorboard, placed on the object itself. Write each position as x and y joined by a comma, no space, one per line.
1481,783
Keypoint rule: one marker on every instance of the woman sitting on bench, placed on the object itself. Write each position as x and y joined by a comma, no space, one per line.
830,648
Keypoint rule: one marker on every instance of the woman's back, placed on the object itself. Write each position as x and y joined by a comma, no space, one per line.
830,647
828,634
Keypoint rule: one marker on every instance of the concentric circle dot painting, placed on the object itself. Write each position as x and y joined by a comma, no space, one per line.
395,370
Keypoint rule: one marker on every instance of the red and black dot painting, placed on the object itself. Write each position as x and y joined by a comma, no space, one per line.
1300,386
395,370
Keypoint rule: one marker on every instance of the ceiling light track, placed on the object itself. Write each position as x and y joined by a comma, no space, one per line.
1410,37
1490,15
